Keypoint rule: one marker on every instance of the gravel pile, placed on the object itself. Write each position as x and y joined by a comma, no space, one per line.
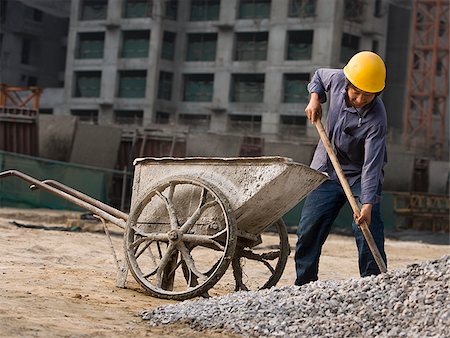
411,302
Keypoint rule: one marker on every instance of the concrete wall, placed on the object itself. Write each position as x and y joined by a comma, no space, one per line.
96,146
53,99
439,176
301,153
398,172
213,145
56,134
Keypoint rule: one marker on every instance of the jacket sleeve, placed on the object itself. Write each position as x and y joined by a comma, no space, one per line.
321,82
374,159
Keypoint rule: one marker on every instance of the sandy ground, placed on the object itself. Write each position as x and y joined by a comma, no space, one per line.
62,284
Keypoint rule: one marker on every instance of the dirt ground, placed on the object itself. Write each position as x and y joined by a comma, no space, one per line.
62,284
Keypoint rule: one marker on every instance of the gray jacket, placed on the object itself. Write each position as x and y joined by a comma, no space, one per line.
357,136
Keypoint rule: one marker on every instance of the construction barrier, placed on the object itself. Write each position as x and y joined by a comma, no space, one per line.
15,193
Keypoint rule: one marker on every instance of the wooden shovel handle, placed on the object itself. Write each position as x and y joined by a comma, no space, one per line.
351,199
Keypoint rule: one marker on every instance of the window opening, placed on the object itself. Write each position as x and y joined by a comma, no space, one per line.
295,89
251,46
171,9
138,8
375,46
46,111
205,10
201,47
37,15
247,88
301,8
162,117
87,84
245,123
354,10
196,122
168,46
251,146
90,45
132,83
165,86
129,117
135,44
349,47
26,51
32,81
292,125
254,9
94,9
85,115
378,11
300,45
198,87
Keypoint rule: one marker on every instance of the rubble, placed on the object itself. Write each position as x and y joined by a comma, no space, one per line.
410,302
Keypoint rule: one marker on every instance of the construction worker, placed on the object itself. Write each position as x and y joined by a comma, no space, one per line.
356,126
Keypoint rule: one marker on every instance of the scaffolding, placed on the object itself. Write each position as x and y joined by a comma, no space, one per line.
428,84
19,107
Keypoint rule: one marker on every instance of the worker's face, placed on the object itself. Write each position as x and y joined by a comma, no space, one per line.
359,98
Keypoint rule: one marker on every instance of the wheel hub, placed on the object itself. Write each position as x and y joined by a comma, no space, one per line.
174,235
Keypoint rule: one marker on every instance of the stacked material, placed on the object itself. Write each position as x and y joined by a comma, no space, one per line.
410,302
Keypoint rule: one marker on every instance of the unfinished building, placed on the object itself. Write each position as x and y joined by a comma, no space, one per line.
229,68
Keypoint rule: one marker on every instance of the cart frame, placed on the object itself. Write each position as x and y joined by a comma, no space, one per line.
182,215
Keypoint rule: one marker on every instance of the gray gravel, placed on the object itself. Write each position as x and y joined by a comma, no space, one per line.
410,302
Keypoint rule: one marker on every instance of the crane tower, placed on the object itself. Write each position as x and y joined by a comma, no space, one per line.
426,113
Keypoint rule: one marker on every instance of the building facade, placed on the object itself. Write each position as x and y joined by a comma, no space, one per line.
234,66
32,45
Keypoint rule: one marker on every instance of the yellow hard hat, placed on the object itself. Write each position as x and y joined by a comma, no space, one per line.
366,71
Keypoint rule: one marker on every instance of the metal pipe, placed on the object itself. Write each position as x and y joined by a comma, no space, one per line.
124,188
107,208
81,203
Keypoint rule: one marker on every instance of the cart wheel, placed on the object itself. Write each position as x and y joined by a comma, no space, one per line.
252,265
177,222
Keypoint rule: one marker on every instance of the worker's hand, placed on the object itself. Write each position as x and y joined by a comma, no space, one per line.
314,108
365,215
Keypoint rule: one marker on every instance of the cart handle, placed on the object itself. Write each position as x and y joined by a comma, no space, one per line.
98,208
77,194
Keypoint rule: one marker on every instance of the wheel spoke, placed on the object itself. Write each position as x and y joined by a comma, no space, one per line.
172,272
189,261
261,258
148,236
212,269
174,224
137,254
150,273
190,278
205,241
158,245
270,256
163,263
202,206
186,227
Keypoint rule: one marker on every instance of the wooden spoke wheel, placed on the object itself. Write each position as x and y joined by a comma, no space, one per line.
262,266
180,238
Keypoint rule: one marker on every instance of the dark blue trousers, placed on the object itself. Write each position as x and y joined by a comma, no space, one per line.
318,214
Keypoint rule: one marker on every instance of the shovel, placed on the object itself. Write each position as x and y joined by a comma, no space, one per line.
351,199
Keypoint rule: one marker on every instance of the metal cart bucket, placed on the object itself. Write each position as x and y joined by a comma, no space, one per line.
191,218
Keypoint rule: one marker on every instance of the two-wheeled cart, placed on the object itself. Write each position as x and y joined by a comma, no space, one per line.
191,218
